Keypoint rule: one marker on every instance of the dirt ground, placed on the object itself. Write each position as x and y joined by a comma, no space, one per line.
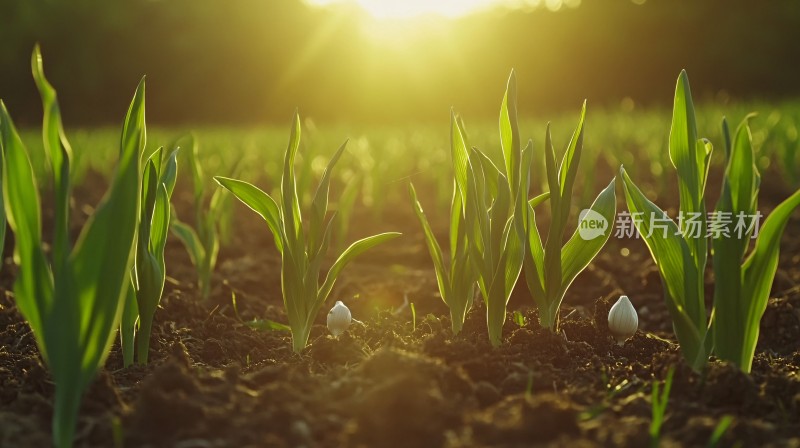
215,382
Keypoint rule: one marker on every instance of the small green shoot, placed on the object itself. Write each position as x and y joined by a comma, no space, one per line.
519,319
302,252
456,279
257,324
529,385
202,241
149,274
719,431
660,399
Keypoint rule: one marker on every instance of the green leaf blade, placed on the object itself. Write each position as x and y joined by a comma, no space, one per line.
509,131
258,201
442,274
578,252
347,256
676,266
759,272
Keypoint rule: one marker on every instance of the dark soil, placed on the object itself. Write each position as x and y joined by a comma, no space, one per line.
215,382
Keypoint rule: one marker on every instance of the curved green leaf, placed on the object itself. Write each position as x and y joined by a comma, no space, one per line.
347,256
58,152
258,201
509,131
319,205
460,154
103,255
442,275
676,266
578,252
190,240
759,272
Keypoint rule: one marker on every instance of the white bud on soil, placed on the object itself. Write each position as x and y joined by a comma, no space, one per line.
339,319
622,320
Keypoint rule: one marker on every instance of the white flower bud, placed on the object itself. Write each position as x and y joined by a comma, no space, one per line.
622,320
339,319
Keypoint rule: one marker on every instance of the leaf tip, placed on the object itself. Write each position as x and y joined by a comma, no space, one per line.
512,81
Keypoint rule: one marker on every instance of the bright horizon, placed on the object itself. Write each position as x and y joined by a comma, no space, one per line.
391,9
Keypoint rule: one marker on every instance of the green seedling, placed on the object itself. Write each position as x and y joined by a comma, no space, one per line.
457,278
302,253
551,268
741,294
149,274
519,319
659,399
202,241
719,431
490,199
72,299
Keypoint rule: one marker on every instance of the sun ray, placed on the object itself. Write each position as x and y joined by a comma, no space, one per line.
390,9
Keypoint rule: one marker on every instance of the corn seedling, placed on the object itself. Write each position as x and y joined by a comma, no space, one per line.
681,258
740,297
149,274
302,255
72,301
490,199
551,268
456,279
659,399
202,241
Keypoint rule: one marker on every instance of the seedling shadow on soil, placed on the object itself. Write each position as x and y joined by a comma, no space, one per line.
214,381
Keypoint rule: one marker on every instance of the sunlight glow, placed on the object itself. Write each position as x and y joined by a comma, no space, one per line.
403,9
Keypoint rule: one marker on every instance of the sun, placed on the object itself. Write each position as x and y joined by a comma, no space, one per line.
404,9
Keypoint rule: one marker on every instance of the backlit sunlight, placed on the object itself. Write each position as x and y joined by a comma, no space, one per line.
392,9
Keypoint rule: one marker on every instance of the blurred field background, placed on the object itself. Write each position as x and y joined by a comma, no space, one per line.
252,62
385,75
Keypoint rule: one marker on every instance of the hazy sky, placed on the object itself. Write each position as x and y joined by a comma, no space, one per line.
392,9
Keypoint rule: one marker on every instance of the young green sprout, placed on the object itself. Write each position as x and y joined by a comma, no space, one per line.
457,277
149,273
202,241
492,200
339,319
659,401
550,268
622,320
302,252
71,296
742,290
